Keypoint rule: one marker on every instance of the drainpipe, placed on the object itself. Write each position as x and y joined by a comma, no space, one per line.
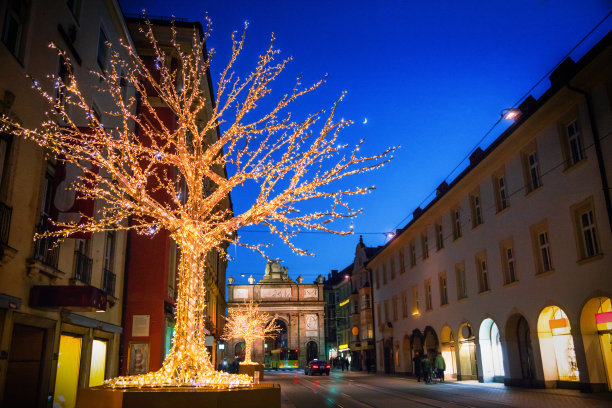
600,162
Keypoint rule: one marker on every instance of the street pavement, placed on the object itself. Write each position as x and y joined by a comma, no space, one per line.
360,390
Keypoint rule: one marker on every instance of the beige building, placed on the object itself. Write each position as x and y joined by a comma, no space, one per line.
507,271
298,309
60,307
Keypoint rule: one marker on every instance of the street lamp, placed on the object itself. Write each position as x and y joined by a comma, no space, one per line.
511,113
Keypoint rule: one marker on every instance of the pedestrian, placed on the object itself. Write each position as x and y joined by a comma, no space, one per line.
342,363
417,365
426,363
440,366
346,363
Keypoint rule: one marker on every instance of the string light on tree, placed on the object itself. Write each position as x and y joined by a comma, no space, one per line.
288,161
248,323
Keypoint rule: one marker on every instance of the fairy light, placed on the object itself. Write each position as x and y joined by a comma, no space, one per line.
287,160
248,323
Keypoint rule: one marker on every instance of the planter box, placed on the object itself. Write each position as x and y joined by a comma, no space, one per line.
250,370
256,396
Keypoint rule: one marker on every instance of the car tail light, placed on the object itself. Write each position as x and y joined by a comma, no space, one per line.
315,366
328,366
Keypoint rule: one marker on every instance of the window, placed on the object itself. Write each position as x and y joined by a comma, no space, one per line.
5,148
532,170
589,234
102,50
109,251
439,235
63,81
416,308
587,237
571,141
501,193
13,32
404,305
75,8
428,300
384,273
461,283
476,210
456,218
387,311
355,307
541,246
443,289
365,300
394,308
402,261
575,142
508,261
483,273
392,267
412,253
425,245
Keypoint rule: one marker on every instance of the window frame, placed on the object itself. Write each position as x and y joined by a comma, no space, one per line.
482,269
456,222
442,281
428,295
462,292
578,211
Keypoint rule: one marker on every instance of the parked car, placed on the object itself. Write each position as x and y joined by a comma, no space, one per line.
317,367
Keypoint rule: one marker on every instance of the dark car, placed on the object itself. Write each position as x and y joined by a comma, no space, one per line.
317,367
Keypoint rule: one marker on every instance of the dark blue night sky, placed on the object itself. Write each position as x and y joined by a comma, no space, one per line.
430,76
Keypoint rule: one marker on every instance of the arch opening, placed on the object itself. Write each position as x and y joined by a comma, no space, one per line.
596,329
557,346
468,368
491,351
447,348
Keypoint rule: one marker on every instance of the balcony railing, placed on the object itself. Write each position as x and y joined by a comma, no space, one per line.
108,285
5,222
45,249
82,267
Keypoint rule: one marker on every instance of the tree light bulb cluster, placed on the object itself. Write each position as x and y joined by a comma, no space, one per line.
248,323
173,178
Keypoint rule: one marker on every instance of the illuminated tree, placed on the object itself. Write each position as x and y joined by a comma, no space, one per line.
248,323
286,161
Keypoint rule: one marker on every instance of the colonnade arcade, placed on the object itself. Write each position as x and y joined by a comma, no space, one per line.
554,350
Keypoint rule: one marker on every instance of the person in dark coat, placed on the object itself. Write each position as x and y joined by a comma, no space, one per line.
417,365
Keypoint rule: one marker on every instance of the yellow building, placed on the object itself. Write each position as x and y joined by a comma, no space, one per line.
506,271
60,307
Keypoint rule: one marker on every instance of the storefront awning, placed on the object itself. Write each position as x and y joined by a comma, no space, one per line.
82,298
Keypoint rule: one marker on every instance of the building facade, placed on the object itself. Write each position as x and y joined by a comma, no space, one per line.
60,305
362,344
299,310
507,271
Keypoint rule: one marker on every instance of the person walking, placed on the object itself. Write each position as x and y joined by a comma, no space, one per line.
417,365
342,363
426,362
440,366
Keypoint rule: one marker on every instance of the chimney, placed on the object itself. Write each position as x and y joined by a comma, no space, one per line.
417,213
442,188
476,157
562,73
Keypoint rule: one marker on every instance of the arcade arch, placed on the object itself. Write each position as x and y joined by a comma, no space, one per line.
596,329
557,346
468,370
447,348
490,351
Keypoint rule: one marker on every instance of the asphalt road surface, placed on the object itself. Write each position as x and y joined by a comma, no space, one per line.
358,390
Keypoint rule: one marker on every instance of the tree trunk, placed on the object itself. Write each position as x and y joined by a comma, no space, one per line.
188,362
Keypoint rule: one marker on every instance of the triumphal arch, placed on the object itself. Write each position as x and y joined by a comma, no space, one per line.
298,308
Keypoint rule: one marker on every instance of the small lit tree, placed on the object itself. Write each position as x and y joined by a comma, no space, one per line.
284,158
248,323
